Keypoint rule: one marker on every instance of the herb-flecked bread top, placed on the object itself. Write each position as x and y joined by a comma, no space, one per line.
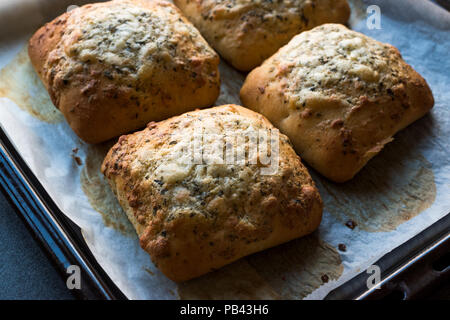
112,67
246,32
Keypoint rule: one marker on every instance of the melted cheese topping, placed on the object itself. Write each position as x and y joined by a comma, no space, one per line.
187,177
334,61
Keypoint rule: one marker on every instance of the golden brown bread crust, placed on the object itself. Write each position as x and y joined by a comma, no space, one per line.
246,32
339,96
194,218
112,67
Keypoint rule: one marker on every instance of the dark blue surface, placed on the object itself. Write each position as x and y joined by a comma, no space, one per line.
25,271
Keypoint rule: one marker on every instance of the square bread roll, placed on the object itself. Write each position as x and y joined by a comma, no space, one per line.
338,95
193,217
112,67
246,32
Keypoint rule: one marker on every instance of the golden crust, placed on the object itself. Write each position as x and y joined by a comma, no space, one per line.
246,32
194,218
112,67
339,96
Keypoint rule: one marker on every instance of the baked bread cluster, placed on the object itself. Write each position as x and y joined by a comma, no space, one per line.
112,67
246,32
194,217
338,95
208,187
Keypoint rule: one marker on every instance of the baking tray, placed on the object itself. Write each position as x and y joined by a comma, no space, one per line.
410,271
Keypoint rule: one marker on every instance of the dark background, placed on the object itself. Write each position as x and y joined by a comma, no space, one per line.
25,270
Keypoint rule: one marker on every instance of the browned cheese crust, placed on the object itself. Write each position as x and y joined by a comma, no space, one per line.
112,67
339,96
246,32
195,218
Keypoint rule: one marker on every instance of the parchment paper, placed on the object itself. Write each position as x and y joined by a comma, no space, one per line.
402,190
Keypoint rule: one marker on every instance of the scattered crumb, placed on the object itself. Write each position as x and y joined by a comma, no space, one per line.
75,157
149,271
351,224
77,160
342,247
